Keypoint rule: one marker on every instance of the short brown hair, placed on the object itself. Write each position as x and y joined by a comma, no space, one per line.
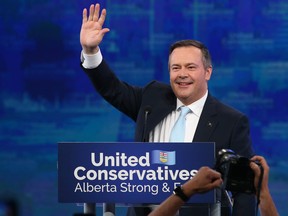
206,58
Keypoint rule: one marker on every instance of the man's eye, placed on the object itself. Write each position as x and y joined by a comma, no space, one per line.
191,67
175,68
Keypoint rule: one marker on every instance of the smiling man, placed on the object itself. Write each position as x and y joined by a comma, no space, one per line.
157,106
189,70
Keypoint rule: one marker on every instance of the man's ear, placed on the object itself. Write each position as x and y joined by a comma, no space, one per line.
208,73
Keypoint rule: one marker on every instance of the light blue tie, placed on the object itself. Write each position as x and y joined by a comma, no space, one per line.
178,131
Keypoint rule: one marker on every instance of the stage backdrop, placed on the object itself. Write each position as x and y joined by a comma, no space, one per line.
46,98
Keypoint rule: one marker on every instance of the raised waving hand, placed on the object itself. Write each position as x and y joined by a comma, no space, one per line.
92,31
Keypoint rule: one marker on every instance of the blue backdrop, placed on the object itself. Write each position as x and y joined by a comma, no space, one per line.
46,98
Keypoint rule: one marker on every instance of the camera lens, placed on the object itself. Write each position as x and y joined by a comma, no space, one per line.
236,172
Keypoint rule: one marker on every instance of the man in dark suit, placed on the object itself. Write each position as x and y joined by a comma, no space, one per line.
156,107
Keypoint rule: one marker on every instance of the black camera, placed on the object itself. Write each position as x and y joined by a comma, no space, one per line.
236,172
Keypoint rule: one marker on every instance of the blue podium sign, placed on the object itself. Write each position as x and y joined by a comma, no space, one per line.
129,173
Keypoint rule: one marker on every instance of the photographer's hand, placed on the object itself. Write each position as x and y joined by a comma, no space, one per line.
205,180
267,206
257,172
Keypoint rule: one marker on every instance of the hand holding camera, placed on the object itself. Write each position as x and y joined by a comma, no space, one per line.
237,173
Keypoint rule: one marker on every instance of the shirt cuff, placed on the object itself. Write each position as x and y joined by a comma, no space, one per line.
91,61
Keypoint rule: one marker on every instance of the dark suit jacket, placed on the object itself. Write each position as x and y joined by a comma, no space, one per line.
218,123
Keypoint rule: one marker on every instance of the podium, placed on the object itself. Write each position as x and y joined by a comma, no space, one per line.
131,174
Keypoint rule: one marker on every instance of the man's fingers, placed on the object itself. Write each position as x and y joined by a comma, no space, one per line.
104,31
91,12
255,168
96,12
218,182
102,17
262,161
84,16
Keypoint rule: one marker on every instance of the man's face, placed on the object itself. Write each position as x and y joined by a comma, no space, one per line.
188,77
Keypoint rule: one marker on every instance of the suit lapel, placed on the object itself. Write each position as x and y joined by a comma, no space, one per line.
161,108
208,121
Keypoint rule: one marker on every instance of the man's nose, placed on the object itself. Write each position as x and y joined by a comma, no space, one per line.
183,73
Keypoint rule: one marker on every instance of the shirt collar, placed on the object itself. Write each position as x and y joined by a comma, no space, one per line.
196,107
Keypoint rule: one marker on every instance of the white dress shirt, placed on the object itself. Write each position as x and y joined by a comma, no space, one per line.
162,131
91,61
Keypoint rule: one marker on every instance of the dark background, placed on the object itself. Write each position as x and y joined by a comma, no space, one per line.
46,98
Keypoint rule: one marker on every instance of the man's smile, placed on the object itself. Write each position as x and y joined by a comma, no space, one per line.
183,84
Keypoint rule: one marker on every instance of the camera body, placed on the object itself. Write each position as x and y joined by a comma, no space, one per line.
236,172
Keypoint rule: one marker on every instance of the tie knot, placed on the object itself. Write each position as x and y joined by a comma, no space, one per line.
184,110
